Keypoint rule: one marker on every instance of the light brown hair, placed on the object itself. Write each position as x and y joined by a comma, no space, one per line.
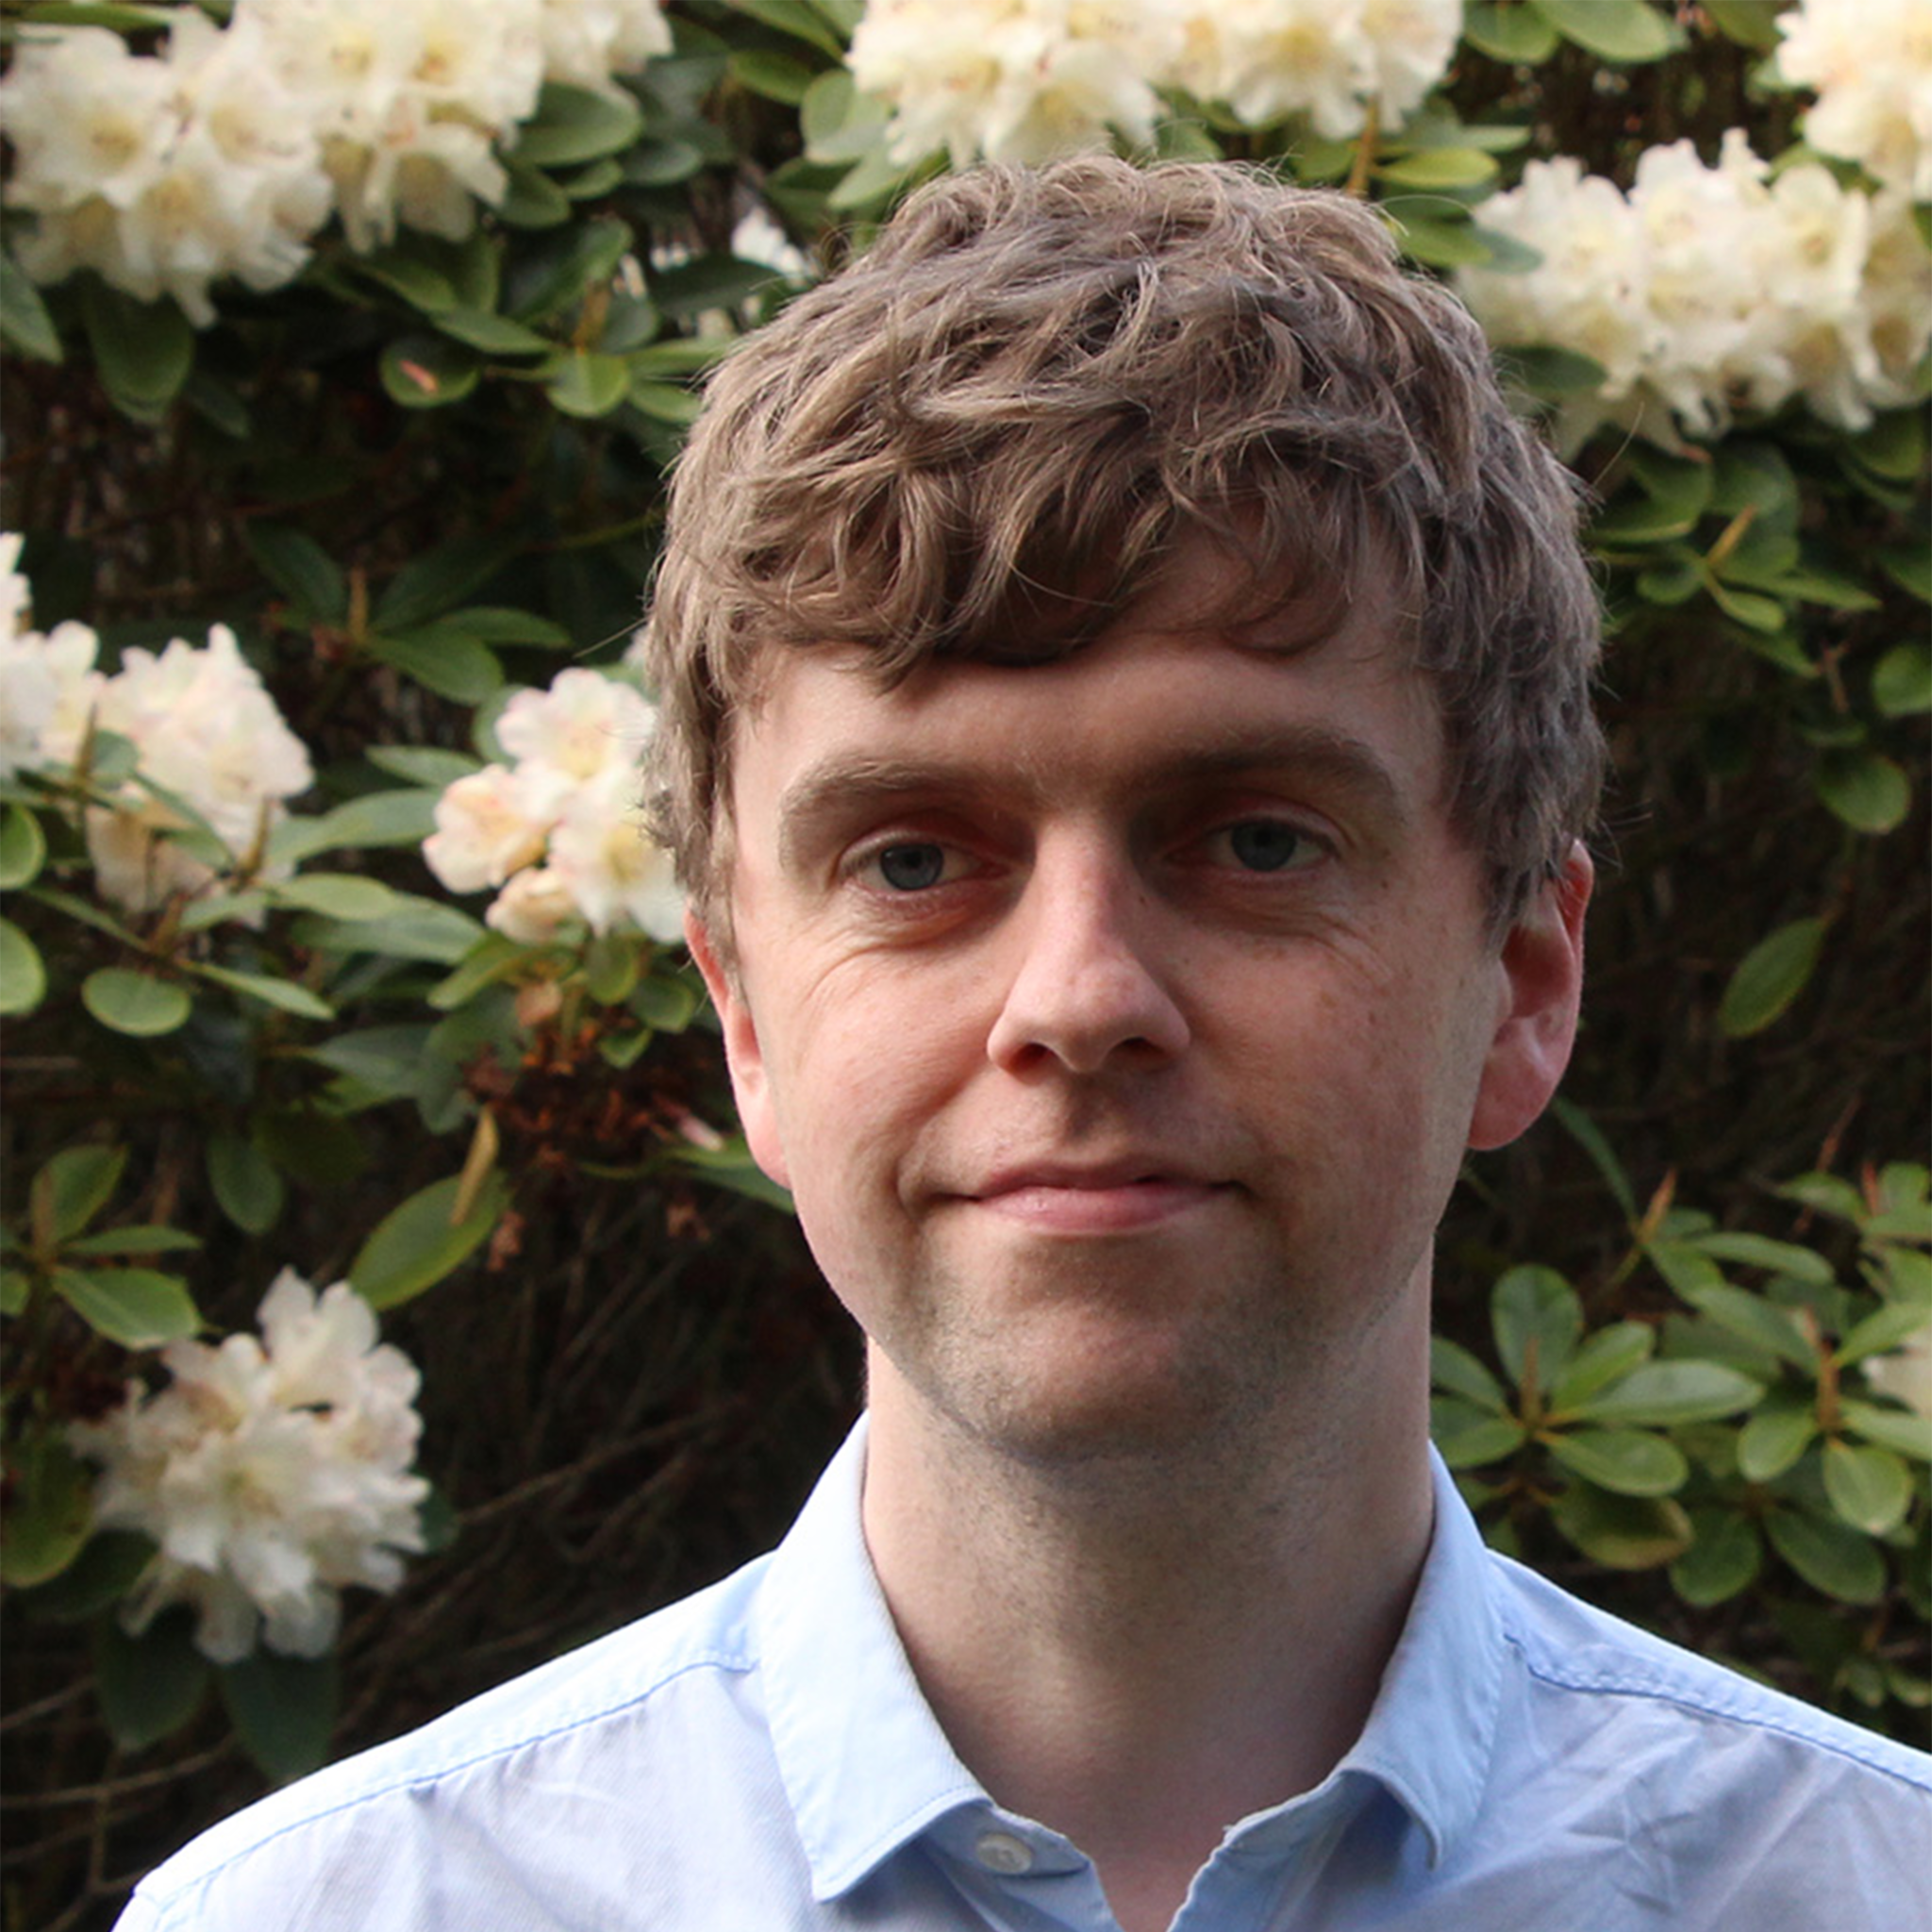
986,436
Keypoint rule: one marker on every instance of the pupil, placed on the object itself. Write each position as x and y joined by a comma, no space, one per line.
911,868
1263,847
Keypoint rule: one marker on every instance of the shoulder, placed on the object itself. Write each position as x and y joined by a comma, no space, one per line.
1570,1651
507,1794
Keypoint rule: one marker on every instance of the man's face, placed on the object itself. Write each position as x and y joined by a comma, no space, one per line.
1119,1024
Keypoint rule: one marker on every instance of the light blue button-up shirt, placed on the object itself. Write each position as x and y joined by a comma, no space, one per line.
758,1757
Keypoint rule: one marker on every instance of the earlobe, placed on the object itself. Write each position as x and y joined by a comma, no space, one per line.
743,1054
1542,967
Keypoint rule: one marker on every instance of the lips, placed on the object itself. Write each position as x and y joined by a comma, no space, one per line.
1116,1197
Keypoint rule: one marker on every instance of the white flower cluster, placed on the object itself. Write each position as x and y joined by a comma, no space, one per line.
556,832
1869,62
203,729
270,1474
1707,291
1020,80
225,154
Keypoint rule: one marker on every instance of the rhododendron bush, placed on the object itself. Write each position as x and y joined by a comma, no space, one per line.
388,1299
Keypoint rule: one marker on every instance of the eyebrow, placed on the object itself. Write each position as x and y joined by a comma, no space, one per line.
844,783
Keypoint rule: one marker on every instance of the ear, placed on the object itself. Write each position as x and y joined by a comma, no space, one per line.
749,1085
1542,971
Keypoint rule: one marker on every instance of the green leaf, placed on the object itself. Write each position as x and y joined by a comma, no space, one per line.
1909,566
1770,977
139,1239
246,1187
22,847
49,1510
1864,788
533,200
423,764
300,568
1759,1321
573,123
424,371
556,270
416,1244
1515,34
149,1685
1628,1462
143,350
1879,1333
1895,1428
710,281
1604,1357
1893,447
494,335
729,1166
1641,521
284,1710
1618,31
72,1189
1439,167
16,1290
1750,23
1753,609
796,18
1869,1487
1622,1532
667,1003
612,963
1439,243
283,995
135,1307
107,1567
1830,1556
135,1003
776,76
1590,1137
386,1058
1773,1439
1536,1318
1452,1367
1723,1559
417,930
664,402
493,957
1775,1257
24,324
1902,683
1658,1394
1466,1437
339,894
23,978
434,583
376,819
588,385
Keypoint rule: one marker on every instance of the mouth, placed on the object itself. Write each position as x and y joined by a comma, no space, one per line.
1117,1199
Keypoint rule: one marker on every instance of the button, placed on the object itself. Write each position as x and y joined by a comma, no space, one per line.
1001,1852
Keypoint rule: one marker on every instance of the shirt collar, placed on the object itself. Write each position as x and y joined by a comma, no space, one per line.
863,1759
867,1768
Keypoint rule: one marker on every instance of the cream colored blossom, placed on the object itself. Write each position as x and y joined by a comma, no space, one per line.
602,853
1906,1373
488,825
587,41
270,1475
557,830
1708,290
47,683
1014,81
1870,63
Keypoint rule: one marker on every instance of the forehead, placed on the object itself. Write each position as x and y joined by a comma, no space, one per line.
1173,691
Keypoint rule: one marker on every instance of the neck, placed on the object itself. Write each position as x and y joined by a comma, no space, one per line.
1140,1653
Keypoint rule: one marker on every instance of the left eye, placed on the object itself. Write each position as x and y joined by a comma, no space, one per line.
1267,845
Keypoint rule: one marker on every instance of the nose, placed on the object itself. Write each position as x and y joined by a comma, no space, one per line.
1088,985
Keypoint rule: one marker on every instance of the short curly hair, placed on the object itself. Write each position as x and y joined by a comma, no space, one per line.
987,437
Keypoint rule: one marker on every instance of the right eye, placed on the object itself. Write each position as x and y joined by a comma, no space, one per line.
912,865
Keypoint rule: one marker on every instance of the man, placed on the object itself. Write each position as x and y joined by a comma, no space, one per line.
1126,734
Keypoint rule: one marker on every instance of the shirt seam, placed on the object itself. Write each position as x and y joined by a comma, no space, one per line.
436,1775
1678,1696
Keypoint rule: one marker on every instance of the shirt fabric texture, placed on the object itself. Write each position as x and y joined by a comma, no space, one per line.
759,1757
